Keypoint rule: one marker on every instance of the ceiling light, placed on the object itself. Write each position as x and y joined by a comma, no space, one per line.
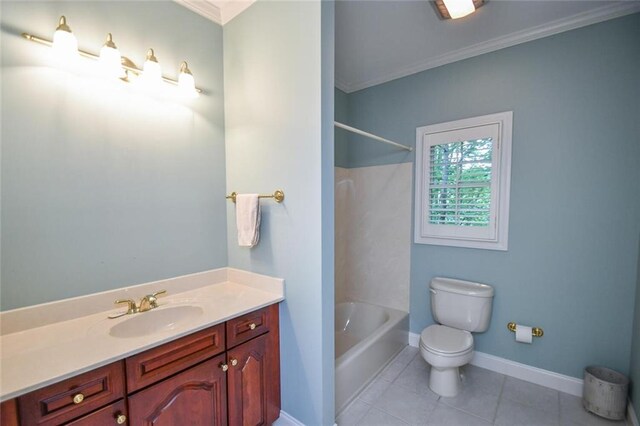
454,9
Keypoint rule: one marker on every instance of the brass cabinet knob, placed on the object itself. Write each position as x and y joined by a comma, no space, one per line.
224,366
234,362
121,419
78,398
252,326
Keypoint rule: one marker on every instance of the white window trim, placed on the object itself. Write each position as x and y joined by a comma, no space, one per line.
500,242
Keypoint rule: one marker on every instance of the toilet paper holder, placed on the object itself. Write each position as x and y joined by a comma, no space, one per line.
535,331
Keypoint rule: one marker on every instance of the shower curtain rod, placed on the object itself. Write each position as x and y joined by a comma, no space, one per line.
370,135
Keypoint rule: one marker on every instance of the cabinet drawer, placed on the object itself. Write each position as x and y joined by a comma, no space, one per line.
161,362
248,326
114,414
73,397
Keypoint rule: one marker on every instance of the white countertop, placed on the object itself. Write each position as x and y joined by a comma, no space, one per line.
34,353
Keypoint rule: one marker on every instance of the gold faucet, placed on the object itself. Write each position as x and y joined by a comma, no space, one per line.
148,302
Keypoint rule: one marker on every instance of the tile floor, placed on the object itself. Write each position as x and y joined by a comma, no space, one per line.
400,395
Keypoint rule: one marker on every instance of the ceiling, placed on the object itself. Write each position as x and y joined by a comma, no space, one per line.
381,40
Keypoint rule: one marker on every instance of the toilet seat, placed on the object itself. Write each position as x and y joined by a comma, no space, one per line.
446,341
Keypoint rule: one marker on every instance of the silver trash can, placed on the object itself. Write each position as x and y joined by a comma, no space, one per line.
605,392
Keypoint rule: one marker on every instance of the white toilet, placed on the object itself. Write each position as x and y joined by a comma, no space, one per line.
460,307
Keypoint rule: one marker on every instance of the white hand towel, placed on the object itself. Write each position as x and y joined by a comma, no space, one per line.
248,219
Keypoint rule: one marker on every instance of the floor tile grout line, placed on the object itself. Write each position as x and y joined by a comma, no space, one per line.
380,409
526,403
500,397
350,405
469,413
492,421
504,380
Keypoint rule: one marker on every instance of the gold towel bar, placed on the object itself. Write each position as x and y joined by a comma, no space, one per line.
535,331
278,195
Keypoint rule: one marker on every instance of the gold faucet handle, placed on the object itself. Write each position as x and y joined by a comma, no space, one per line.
153,300
150,301
132,307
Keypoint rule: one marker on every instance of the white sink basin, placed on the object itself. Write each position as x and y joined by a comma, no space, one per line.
154,321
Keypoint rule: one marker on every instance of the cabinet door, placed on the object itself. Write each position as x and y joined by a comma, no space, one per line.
248,383
196,396
111,415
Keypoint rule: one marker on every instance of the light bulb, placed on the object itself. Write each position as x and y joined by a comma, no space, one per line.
110,59
65,44
459,8
186,83
151,71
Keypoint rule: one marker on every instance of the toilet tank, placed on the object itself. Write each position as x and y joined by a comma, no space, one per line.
464,305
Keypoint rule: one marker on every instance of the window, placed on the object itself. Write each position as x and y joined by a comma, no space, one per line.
463,173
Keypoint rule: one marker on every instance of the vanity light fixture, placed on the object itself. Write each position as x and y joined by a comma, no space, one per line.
114,65
65,43
151,71
454,9
186,83
110,59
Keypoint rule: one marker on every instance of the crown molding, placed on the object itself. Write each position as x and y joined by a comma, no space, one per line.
554,27
218,11
203,8
232,8
341,85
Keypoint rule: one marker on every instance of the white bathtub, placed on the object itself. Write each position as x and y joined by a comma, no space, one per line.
367,338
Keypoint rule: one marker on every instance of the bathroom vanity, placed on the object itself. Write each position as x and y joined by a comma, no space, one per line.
227,373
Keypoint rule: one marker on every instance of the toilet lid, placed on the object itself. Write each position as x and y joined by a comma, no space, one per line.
446,340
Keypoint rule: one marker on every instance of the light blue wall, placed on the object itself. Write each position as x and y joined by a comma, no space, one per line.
102,187
634,366
573,249
274,124
341,135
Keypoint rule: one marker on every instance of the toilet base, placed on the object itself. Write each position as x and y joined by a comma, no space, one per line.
445,381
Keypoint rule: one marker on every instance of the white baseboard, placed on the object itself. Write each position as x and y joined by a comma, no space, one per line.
414,340
632,417
287,419
560,382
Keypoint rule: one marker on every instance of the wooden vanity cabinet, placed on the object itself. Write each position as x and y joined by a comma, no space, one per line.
228,374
